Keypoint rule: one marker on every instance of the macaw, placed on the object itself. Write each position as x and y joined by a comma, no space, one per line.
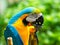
23,24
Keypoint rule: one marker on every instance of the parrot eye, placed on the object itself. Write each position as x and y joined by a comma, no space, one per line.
39,23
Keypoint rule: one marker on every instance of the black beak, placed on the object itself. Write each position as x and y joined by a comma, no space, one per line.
38,23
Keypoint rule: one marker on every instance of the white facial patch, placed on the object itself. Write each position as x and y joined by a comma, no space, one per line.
32,18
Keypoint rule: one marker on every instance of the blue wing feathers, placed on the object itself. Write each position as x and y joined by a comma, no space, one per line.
12,32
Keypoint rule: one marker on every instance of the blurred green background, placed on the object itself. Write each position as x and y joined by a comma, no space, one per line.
49,34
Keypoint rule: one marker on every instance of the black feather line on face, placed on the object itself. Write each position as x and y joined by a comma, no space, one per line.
25,22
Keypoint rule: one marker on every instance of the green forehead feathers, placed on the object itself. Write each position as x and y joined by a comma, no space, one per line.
37,11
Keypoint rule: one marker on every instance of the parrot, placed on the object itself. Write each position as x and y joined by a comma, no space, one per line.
23,26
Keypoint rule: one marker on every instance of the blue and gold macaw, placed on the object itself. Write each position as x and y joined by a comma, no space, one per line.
23,24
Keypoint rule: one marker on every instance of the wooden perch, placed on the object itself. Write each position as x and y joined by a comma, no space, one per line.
9,40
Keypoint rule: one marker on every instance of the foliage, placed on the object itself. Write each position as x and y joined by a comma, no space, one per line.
49,34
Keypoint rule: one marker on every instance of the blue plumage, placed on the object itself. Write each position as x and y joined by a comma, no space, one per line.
11,31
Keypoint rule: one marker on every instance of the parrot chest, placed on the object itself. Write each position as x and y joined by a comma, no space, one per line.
22,30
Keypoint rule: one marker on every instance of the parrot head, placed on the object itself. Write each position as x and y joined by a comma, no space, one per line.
35,18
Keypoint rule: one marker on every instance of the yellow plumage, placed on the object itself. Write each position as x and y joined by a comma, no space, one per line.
24,31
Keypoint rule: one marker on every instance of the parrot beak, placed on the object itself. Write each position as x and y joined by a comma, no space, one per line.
39,21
